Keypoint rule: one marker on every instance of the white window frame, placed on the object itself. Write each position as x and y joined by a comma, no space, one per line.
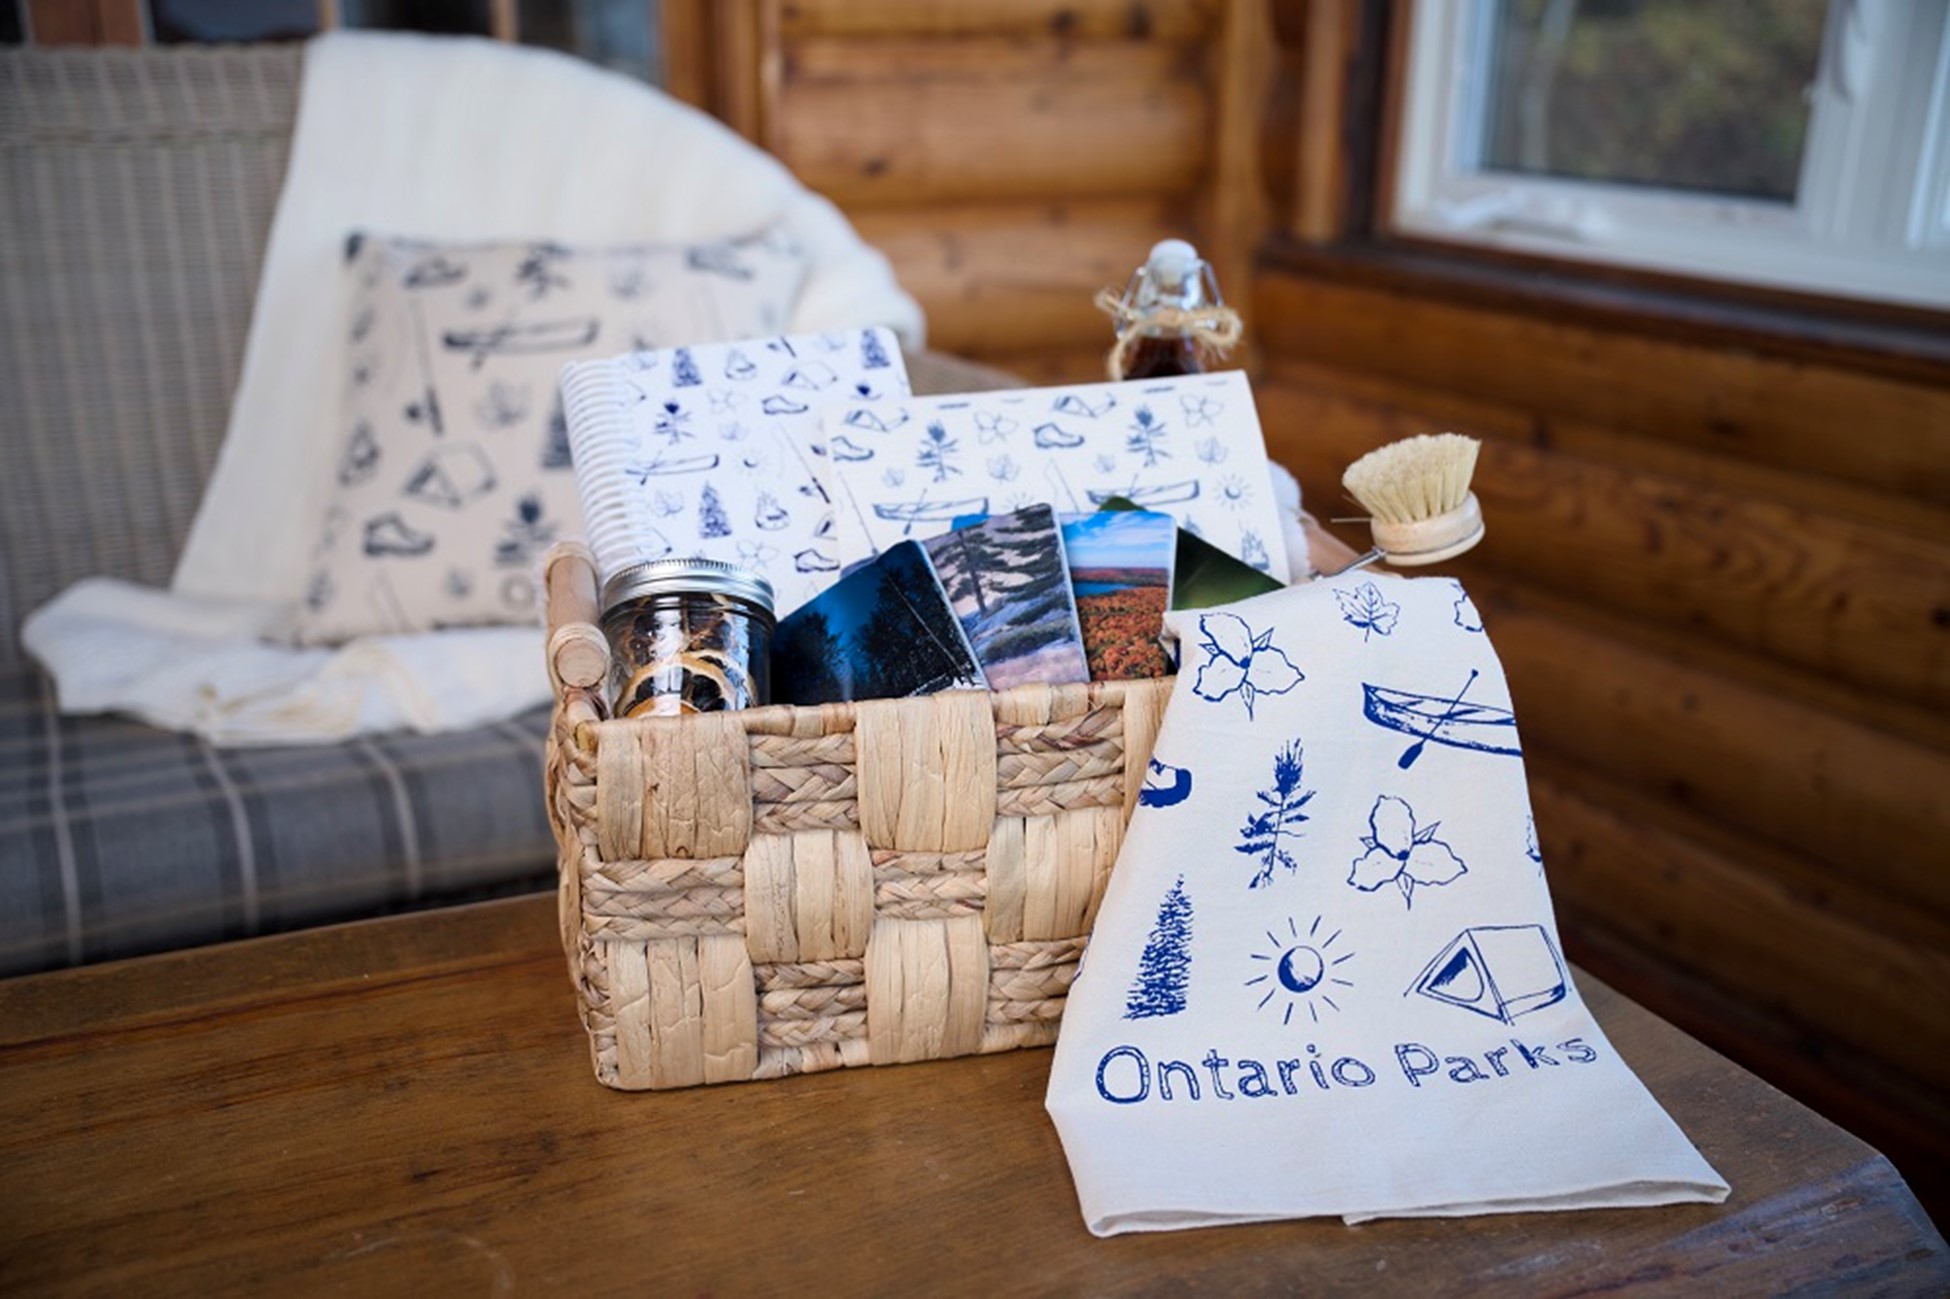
1872,215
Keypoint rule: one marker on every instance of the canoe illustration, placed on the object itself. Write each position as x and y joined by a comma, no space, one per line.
541,336
931,511
1439,720
663,466
1158,494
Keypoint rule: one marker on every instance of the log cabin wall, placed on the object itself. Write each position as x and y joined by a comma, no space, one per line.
1719,581
1011,157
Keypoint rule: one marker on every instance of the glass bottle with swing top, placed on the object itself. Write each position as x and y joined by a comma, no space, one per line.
1161,312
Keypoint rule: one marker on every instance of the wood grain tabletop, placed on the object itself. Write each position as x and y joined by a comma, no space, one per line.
405,1106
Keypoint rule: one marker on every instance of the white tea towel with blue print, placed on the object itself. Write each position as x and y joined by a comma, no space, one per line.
1325,978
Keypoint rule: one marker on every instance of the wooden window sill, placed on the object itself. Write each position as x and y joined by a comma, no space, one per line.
1900,342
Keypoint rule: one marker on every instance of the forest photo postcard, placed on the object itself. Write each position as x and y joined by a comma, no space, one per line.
885,631
1009,584
1121,570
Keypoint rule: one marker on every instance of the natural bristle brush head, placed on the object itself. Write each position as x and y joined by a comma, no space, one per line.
1416,492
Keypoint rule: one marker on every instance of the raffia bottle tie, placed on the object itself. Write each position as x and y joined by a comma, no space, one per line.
688,636
1170,319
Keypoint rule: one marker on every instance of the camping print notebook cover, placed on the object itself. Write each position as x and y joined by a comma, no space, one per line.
709,450
1189,446
1007,581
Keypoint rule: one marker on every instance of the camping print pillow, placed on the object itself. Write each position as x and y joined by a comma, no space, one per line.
454,476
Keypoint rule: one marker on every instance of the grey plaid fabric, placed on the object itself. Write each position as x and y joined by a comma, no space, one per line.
118,839
136,192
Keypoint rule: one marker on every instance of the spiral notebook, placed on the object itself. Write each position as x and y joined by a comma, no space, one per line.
715,450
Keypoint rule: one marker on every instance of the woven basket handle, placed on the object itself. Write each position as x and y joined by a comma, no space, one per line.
578,655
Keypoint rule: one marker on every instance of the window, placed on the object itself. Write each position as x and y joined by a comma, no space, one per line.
1801,144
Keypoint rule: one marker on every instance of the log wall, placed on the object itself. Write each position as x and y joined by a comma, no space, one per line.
1011,157
1719,579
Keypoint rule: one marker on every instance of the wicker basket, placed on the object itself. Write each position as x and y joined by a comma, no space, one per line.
754,894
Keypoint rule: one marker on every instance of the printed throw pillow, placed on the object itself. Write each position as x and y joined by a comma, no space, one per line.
454,476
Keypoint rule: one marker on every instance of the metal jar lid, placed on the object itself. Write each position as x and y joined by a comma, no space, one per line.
693,576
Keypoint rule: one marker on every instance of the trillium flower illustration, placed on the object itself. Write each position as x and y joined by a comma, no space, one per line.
1402,853
1241,661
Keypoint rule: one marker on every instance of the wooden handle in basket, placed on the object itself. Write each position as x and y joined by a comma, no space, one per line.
578,656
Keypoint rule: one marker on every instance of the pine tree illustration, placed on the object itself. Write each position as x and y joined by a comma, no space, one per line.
1165,968
872,355
1147,432
555,451
1264,834
683,369
937,453
711,520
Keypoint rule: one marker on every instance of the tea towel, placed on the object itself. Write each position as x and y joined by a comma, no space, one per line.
1326,978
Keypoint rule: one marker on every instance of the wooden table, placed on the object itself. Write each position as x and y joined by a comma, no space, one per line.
406,1106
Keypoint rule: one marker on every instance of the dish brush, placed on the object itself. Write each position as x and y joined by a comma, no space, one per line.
1416,492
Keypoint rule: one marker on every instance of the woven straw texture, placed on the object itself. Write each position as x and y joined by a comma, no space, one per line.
755,894
136,192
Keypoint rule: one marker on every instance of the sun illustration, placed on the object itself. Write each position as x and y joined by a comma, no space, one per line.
1304,971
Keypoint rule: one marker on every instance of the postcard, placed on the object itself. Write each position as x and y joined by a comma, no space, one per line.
1205,576
884,632
1120,570
1007,580
1189,446
1202,575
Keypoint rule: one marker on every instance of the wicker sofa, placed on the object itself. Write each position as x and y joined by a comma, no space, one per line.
136,194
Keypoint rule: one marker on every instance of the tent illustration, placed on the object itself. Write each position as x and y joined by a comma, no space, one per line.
452,476
1499,971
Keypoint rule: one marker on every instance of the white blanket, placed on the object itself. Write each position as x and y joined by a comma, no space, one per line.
1326,978
190,664
441,139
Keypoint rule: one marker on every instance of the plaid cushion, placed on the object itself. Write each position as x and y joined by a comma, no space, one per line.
118,839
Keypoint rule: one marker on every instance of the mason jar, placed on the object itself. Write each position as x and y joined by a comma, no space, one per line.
687,636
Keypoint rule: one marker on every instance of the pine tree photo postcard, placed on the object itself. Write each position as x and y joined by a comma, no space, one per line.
1189,446
885,631
1121,573
1008,582
715,450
